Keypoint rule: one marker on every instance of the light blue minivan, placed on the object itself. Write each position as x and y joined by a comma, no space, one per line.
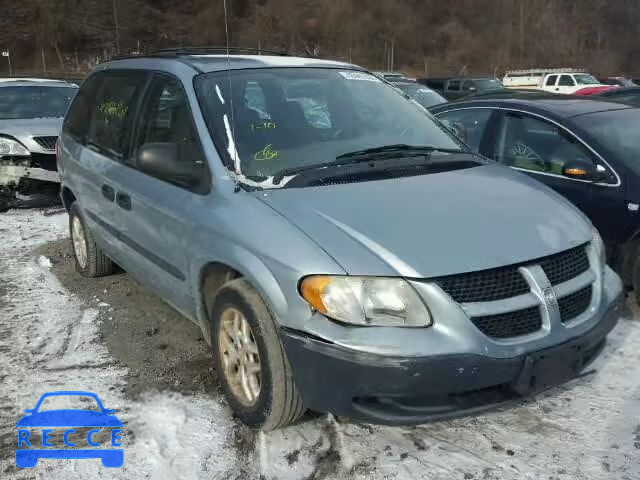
341,249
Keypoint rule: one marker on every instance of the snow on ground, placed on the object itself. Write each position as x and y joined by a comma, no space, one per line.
50,340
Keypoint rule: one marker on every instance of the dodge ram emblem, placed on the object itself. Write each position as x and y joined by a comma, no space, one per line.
549,296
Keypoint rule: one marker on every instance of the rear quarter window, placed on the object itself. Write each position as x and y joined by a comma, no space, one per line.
113,112
76,121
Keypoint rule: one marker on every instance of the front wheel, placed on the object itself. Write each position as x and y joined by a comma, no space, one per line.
251,363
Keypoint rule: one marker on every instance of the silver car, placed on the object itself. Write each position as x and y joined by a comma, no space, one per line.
31,112
368,264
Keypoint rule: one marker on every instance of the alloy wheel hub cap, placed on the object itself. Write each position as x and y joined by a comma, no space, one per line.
240,357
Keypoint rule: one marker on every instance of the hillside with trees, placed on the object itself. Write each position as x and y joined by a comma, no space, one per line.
420,36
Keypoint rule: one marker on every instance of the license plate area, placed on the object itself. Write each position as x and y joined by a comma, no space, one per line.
545,369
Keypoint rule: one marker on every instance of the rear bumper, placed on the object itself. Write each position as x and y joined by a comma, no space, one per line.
410,390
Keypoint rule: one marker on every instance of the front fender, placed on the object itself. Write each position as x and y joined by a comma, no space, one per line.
274,280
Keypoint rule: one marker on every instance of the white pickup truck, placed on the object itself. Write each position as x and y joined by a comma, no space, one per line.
571,83
555,80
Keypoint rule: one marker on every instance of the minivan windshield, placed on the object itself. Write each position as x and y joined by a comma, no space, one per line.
618,131
268,120
35,102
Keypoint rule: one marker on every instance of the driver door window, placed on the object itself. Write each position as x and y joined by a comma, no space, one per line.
167,120
535,145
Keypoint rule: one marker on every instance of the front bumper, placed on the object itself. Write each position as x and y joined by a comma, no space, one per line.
12,174
410,390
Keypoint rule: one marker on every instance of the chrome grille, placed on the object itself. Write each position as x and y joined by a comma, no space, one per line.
48,143
484,286
474,290
566,265
512,324
575,304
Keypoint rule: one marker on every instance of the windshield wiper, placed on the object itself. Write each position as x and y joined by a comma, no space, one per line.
338,162
363,156
403,149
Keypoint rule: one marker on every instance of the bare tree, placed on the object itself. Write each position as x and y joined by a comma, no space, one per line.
415,35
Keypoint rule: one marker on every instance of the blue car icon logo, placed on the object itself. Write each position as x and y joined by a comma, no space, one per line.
29,451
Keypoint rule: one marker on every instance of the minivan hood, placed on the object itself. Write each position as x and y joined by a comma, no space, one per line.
432,225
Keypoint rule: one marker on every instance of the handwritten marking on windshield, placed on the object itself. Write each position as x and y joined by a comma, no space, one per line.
113,108
263,126
267,153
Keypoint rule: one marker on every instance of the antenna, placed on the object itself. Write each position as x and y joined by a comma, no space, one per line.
236,160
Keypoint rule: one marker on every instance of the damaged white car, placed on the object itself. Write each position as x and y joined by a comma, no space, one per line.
31,112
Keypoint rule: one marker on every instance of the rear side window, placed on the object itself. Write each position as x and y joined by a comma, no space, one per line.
113,110
551,80
75,123
454,85
566,81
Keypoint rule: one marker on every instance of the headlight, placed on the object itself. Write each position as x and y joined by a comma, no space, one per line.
388,302
598,244
12,147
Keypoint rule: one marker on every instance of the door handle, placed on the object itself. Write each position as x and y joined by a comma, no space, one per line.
108,192
123,200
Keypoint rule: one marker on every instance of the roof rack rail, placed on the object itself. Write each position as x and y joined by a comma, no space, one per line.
540,71
216,50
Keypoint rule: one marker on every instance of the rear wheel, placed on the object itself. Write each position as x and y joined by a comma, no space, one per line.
251,363
91,261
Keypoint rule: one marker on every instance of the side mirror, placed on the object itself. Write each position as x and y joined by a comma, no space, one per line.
582,170
173,162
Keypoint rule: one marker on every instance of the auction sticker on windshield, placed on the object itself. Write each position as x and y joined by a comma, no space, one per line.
86,431
359,76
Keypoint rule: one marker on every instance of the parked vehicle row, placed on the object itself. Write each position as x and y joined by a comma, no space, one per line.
342,249
453,88
565,81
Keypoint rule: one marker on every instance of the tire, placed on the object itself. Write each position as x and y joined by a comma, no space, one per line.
94,263
636,278
278,402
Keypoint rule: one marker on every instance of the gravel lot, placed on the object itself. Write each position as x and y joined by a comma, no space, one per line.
59,331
